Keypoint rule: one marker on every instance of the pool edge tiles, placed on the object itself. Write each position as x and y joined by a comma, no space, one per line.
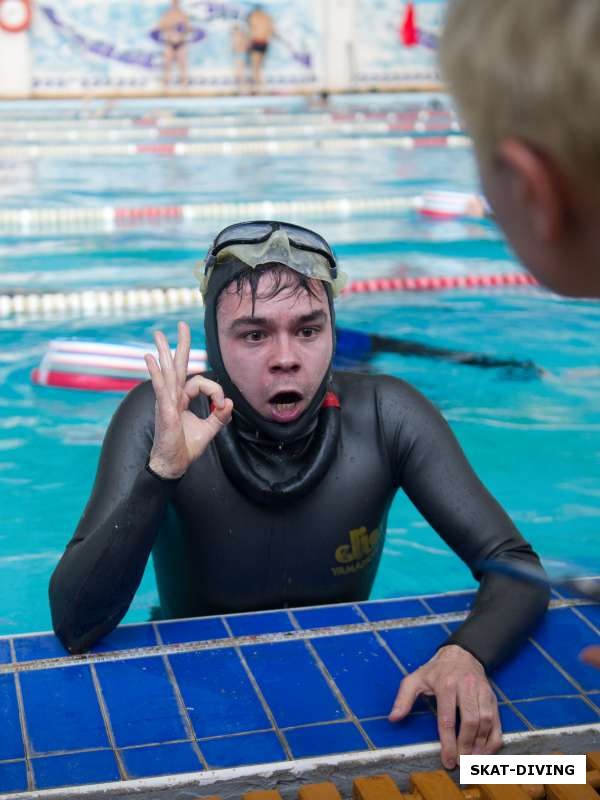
299,689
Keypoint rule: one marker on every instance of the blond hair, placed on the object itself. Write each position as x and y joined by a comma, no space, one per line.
528,69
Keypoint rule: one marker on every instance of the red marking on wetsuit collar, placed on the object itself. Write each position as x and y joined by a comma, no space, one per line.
331,400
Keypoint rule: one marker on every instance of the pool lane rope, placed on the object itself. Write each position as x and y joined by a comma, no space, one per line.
255,147
115,301
281,120
225,131
438,204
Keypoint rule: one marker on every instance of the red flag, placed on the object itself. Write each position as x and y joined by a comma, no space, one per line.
408,28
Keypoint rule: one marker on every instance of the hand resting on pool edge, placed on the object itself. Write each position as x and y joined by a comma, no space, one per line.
285,504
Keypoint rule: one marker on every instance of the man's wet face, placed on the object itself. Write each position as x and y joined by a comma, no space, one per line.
278,353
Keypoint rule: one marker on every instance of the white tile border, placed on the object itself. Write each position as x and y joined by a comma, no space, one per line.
296,768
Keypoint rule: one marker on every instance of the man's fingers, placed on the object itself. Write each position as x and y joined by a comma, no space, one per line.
182,353
156,376
410,688
470,720
166,363
198,384
446,720
224,414
488,719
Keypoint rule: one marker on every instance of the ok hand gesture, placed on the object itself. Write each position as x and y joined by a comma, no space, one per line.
179,435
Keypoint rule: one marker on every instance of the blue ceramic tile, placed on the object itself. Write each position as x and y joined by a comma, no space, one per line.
445,604
563,634
235,751
557,712
141,702
265,622
530,674
511,723
11,744
13,777
33,648
325,617
5,657
217,693
192,630
323,740
75,769
166,759
592,613
363,671
62,710
416,728
292,684
393,609
127,637
415,646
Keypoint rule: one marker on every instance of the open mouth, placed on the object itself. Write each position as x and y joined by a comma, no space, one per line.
286,404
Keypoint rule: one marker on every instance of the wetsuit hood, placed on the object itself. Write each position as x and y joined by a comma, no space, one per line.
246,418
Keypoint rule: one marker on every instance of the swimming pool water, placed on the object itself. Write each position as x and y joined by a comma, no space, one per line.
535,441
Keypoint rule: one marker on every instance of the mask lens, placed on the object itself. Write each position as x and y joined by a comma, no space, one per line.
244,232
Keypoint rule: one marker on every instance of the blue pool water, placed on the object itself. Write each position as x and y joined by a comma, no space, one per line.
535,441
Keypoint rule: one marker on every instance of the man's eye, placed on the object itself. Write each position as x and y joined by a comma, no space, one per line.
307,333
254,336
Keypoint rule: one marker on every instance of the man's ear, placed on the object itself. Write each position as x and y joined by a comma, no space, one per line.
537,186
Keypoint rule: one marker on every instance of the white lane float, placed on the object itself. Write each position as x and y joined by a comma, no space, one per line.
99,367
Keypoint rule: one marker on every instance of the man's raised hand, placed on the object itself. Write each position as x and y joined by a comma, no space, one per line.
180,436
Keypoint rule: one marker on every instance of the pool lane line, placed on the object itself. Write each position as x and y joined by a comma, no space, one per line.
226,132
123,300
255,147
280,119
109,217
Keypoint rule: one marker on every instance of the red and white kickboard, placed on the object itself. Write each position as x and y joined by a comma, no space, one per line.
100,367
446,204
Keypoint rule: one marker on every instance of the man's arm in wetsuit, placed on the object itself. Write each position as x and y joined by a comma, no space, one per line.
433,471
431,467
100,571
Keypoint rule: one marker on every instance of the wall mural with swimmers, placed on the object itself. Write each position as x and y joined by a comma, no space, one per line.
91,45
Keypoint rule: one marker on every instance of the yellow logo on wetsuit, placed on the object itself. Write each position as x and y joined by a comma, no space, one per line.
356,555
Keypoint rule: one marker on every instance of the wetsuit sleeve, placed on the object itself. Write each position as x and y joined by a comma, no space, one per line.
103,564
429,464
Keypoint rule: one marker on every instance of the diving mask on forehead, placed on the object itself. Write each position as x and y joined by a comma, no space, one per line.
258,243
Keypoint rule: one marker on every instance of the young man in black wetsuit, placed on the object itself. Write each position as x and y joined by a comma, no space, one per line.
267,482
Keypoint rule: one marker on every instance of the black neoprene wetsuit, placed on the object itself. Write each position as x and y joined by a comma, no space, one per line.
217,551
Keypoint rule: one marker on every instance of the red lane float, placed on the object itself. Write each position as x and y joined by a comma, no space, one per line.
433,284
99,367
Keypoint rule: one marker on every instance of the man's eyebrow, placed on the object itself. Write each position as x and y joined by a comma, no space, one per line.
263,322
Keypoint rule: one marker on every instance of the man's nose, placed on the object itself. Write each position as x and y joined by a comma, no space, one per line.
284,357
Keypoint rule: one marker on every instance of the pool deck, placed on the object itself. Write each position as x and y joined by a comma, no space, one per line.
276,698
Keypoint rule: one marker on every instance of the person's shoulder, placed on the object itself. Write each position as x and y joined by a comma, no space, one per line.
354,383
391,399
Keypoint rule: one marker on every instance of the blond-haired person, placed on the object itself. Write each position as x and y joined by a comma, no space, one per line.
526,78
